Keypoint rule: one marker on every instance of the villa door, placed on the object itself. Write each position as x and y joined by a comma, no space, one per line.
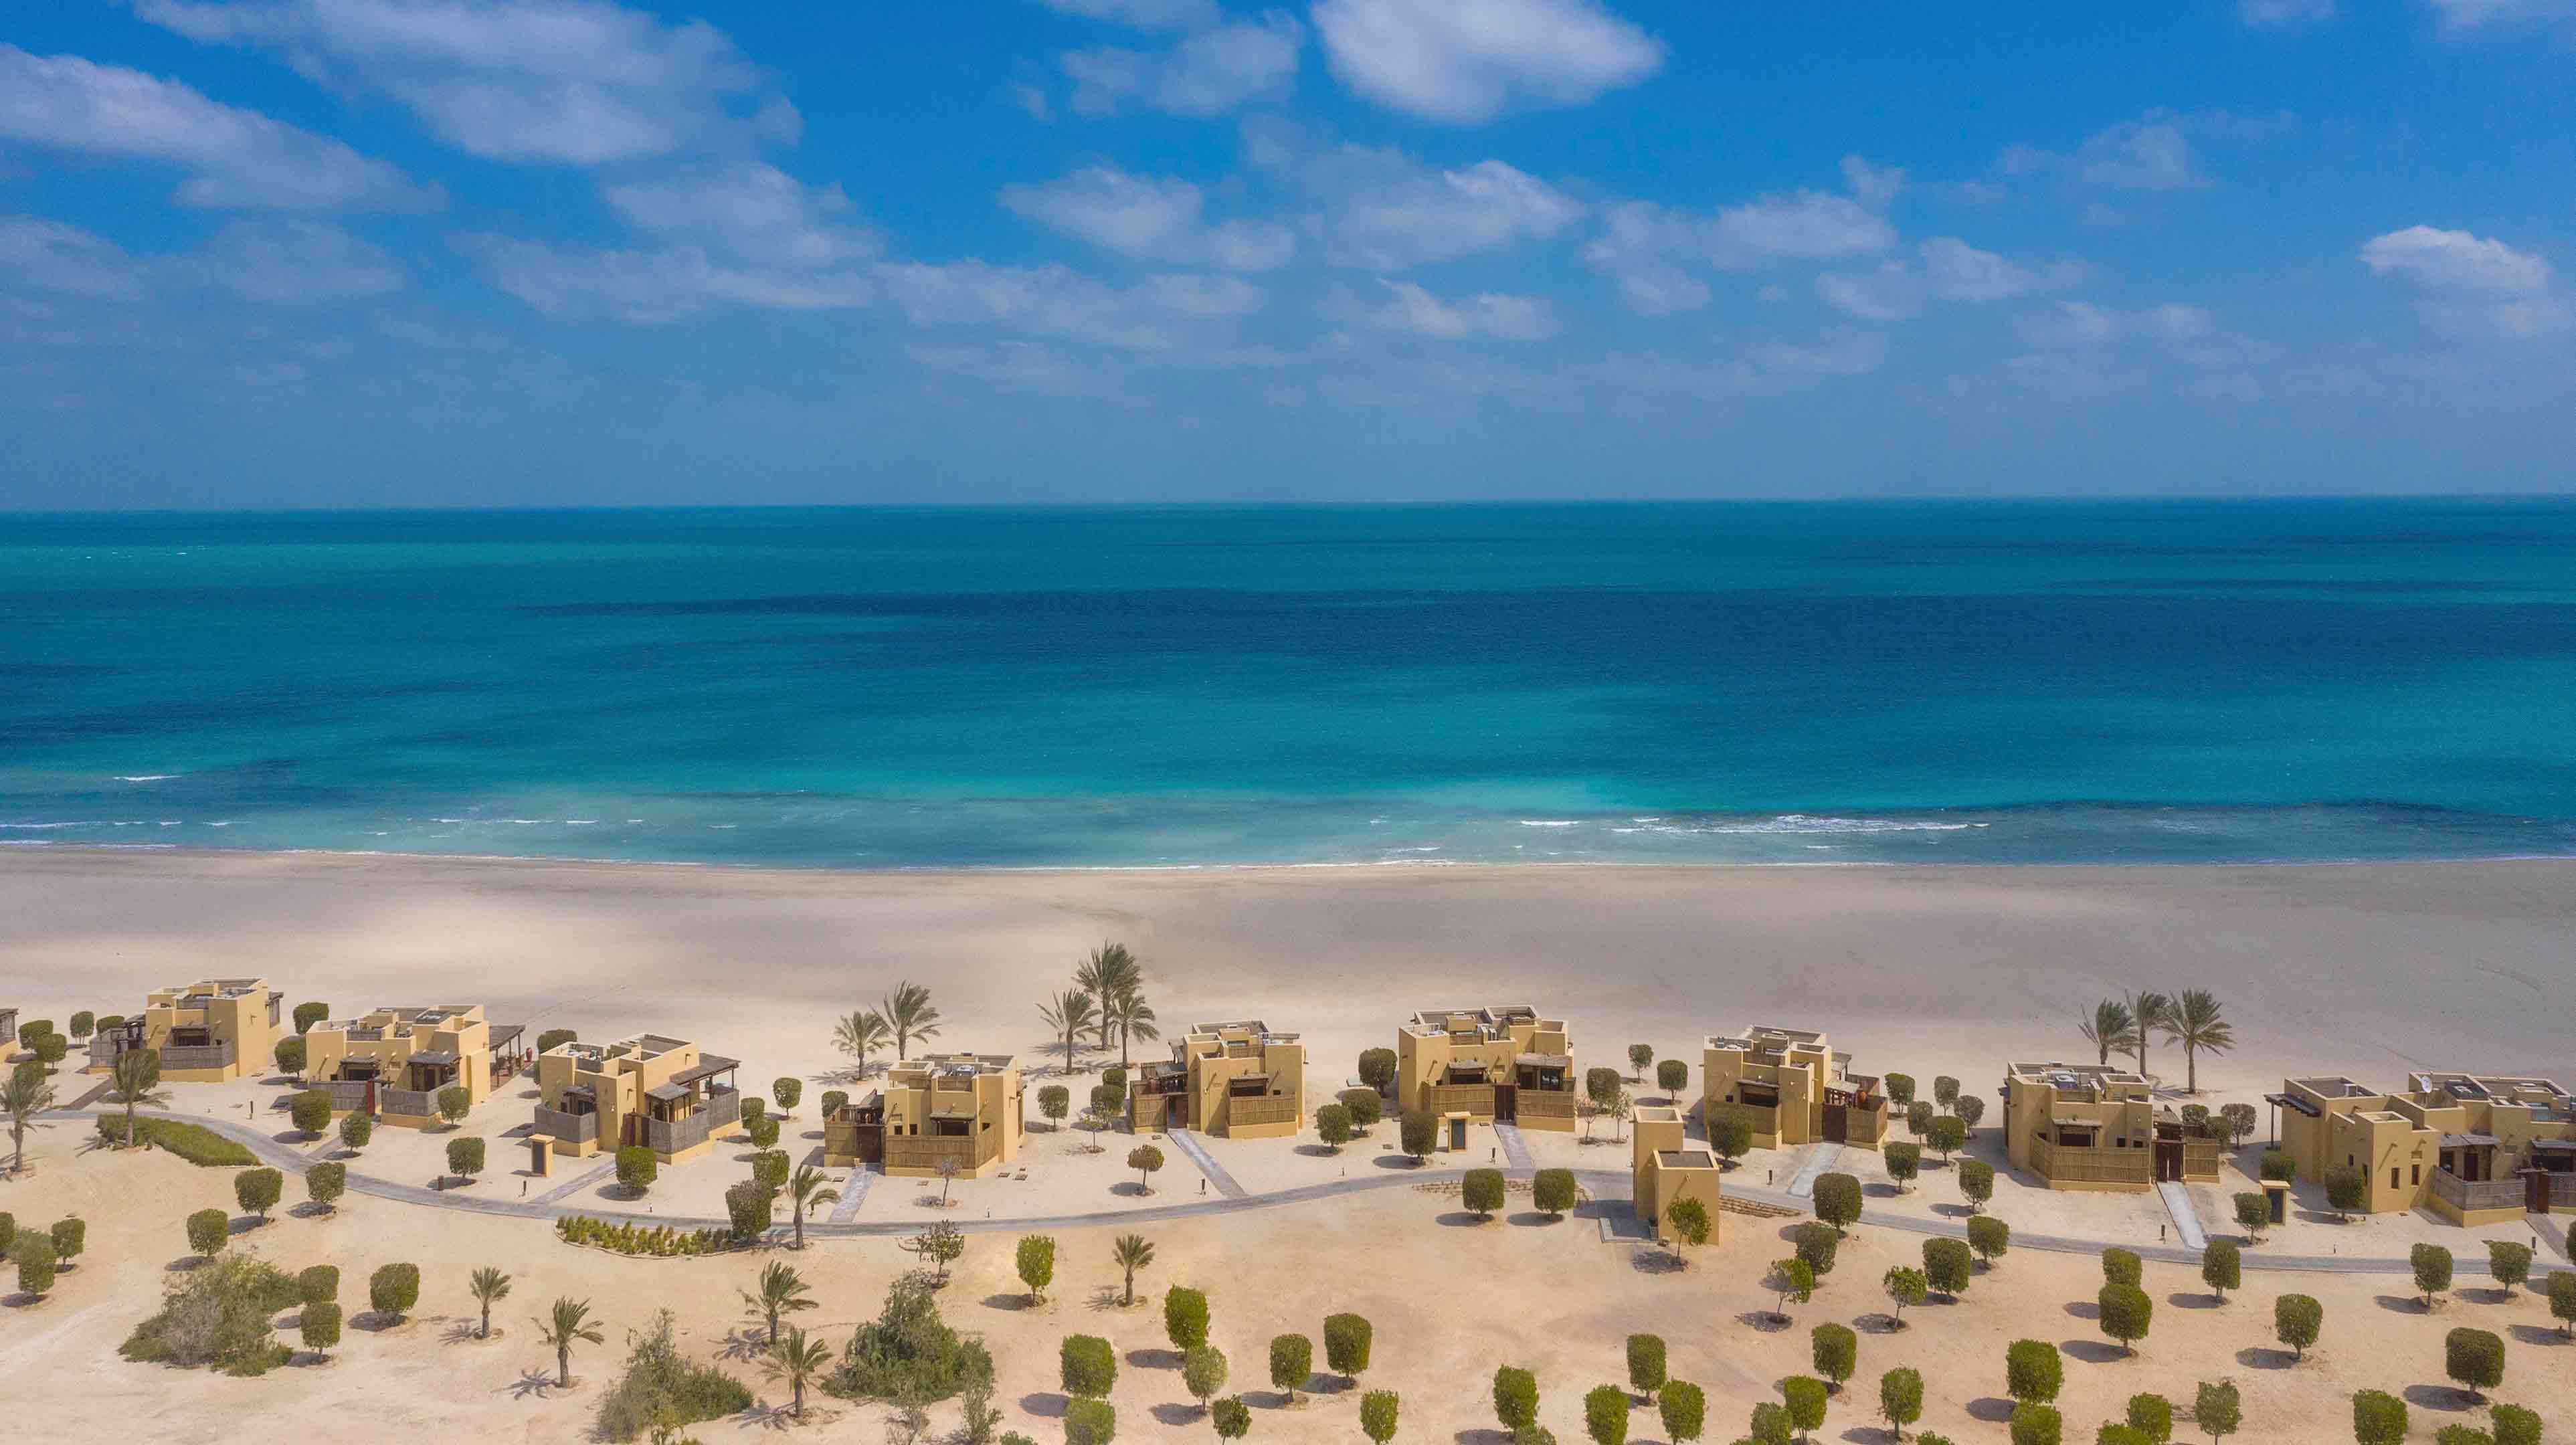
2535,1191
1837,1123
1506,1103
2168,1161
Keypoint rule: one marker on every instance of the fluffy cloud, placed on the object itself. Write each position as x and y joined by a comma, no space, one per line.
747,211
1466,61
650,287
1412,309
2284,14
293,263
1650,250
2152,153
1872,186
1149,218
1157,313
1144,14
2466,15
1383,210
2070,324
2471,287
1209,73
584,81
47,256
234,158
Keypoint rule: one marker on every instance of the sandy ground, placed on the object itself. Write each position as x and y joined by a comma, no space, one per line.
2361,970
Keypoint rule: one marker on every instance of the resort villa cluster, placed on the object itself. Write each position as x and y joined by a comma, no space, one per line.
2475,1149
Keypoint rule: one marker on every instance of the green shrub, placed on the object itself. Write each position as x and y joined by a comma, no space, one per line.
1672,1076
1333,1125
2277,1166
1482,1192
787,1091
1946,1266
2562,1300
1552,1191
2474,1359
2462,1435
2151,1415
834,1100
769,1169
109,1022
311,1109
195,1143
290,1055
1903,1161
2347,1189
2218,1409
1835,1352
8,1232
1817,1244
32,1030
2378,1418
636,1167
1948,1133
2122,1266
1203,1373
1086,1366
454,1103
1185,1317
2432,1264
1837,1200
1770,1426
37,1263
1900,1089
2253,1214
2127,1313
547,1040
356,1130
762,1130
2222,1266
1646,1364
1377,1069
1605,1414
1347,1339
258,1190
2509,1263
1918,1118
1292,1362
2296,1319
1377,1415
208,1229
83,1024
1683,1407
1090,1422
1945,1091
1730,1136
908,1351
317,1284
308,1014
1515,1397
750,1207
325,1183
217,1317
1990,1237
2515,1425
51,1049
1805,1397
1900,1398
393,1289
662,1388
1231,1417
659,1241
320,1325
2036,1425
1366,1107
1418,1134
69,1237
465,1157
2033,1371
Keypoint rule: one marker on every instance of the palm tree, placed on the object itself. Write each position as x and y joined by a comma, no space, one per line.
571,1325
137,1075
861,1034
1133,1252
2111,1027
797,1359
2196,1022
27,1094
2150,1010
488,1284
1068,1014
1110,971
909,1016
781,1292
1133,1017
806,1190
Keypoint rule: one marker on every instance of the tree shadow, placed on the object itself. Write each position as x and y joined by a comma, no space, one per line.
2256,1357
1481,1436
1992,1409
1007,1300
1176,1416
1955,1211
1399,1161
537,1383
1883,1324
2404,1304
1532,1216
743,1342
2537,1335
2190,1300
2450,1399
1105,1298
21,1300
1655,1260
2084,1309
1045,1404
1148,1359
1766,1321
2094,1352
1462,1219
1318,1151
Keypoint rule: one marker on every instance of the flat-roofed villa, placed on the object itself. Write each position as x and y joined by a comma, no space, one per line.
1664,1166
1240,1080
1498,1064
2086,1127
660,1092
394,1062
2475,1148
1790,1088
940,1107
208,1032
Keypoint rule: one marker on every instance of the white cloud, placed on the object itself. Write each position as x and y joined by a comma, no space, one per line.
584,81
1872,186
1650,250
1490,314
1945,269
650,287
1209,73
2149,155
2468,15
41,255
1157,313
2070,324
2456,261
1852,354
1150,218
2285,14
1144,14
293,263
747,211
2175,321
1466,61
1384,211
235,158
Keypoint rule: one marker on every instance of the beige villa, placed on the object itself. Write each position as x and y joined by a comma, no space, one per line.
1665,1166
663,1093
2085,1127
2475,1148
394,1062
208,1032
940,1107
1497,1064
1238,1080
1791,1088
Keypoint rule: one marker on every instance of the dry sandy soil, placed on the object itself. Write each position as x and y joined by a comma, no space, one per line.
2359,970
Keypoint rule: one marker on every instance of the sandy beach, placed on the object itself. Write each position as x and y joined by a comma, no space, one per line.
2364,970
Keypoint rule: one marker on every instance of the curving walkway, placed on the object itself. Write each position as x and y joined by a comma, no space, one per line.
1603,1184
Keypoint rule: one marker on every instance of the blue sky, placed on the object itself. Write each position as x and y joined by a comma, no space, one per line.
469,252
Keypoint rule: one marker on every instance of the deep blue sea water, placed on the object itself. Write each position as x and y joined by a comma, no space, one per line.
1948,682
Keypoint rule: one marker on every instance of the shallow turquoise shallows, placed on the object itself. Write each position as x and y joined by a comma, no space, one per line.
1951,682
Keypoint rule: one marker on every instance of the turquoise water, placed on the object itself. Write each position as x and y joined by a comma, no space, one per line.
1967,682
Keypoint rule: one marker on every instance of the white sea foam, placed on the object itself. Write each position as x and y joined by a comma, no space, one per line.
1551,822
145,777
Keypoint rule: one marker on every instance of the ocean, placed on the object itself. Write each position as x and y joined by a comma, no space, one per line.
1953,682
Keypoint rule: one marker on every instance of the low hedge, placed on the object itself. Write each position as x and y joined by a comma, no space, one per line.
195,1143
659,1241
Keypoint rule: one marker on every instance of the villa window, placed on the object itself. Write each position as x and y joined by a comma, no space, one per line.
2419,1174
2392,1178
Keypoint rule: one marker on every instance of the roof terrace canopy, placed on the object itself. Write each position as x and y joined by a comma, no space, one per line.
709,1065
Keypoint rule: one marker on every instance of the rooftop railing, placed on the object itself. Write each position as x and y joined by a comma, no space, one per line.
2464,1194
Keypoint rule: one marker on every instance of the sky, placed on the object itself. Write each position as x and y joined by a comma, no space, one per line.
315,253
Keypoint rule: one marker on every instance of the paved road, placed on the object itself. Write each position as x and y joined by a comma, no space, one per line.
1820,1158
1515,1148
854,1192
2186,1219
1188,1143
1604,1184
